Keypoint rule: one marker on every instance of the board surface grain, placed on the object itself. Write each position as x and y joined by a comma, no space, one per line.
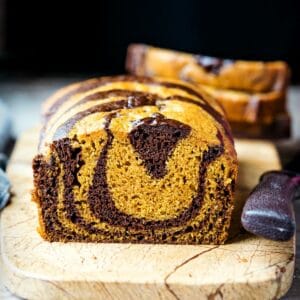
247,267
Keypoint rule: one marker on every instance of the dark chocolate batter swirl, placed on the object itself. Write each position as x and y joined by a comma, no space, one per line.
102,204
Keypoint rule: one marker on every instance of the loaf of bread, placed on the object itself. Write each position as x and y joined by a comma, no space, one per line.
253,94
251,76
134,159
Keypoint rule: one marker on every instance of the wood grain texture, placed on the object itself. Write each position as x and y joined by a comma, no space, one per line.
247,267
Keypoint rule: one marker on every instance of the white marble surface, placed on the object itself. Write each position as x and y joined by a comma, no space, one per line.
5,293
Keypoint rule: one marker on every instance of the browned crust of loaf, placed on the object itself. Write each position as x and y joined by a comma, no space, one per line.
97,82
127,102
140,100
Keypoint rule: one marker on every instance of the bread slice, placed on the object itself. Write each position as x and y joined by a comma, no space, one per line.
251,76
253,94
250,108
134,159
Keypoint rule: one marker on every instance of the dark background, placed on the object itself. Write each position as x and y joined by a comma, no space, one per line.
92,36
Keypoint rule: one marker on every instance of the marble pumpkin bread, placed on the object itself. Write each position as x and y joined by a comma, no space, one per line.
134,159
250,76
252,93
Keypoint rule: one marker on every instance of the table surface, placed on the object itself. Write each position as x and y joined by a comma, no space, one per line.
25,95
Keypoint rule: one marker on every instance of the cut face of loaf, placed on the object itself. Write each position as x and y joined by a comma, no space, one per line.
251,76
134,159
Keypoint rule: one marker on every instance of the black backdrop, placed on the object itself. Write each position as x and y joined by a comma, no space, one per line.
92,36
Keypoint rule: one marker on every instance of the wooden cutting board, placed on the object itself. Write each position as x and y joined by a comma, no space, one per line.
247,267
